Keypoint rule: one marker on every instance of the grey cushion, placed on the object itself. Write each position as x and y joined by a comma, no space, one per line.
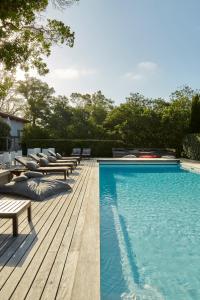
35,188
31,165
58,156
52,153
44,162
52,159
33,174
20,178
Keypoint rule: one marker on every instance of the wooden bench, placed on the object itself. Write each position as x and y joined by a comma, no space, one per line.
11,209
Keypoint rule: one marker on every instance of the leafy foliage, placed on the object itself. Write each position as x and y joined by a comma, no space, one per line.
37,95
195,114
10,101
33,132
138,122
191,146
26,37
62,3
144,122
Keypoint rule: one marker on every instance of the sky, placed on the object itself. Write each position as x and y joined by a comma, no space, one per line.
123,46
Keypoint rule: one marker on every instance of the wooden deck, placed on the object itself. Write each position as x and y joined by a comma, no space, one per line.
58,255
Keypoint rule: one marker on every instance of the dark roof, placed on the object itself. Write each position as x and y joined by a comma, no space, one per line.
12,117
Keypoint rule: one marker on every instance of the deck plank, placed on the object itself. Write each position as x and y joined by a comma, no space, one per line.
43,261
67,282
88,262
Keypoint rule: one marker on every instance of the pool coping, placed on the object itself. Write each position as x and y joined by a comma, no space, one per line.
138,161
190,164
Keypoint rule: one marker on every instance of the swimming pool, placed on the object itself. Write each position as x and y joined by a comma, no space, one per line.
150,232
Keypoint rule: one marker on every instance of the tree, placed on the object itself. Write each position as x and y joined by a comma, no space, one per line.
99,107
95,109
195,114
139,122
80,100
62,3
134,121
138,100
176,118
38,96
59,118
26,37
10,101
185,93
143,122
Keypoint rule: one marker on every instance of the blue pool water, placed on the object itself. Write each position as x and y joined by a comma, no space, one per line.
150,232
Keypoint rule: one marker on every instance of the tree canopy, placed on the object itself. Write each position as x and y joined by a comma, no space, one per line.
37,95
10,101
26,36
139,121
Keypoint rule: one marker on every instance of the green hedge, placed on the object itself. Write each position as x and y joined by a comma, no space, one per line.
191,146
100,148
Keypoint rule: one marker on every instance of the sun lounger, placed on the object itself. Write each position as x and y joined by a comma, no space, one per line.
62,160
70,159
77,158
52,164
86,152
64,170
76,152
119,152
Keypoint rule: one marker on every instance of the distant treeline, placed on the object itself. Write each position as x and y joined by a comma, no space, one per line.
138,121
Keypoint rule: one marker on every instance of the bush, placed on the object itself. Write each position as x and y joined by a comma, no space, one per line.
191,146
33,132
100,148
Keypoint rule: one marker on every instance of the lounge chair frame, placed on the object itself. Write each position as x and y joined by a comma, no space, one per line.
52,164
45,170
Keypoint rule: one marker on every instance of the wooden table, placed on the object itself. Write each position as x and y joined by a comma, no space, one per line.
11,209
